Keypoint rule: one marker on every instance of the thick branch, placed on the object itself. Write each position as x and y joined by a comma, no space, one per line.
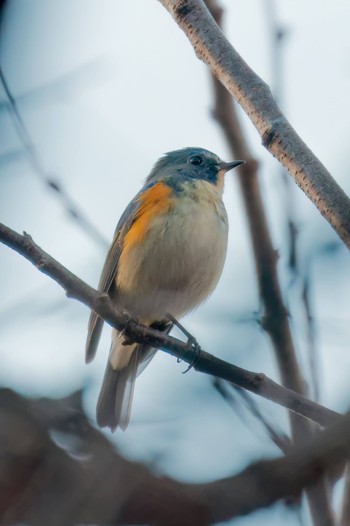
95,485
206,363
277,135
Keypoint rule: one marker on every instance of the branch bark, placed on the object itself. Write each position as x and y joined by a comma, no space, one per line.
249,90
101,303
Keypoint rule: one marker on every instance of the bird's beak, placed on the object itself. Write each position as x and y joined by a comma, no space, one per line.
229,166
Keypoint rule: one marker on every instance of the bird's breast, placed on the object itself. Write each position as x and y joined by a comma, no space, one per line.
181,256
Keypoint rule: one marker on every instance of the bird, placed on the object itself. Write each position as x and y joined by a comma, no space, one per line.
165,259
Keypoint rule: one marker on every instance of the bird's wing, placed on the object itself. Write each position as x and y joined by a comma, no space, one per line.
151,200
108,275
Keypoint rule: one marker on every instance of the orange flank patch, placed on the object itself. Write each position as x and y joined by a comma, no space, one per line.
153,202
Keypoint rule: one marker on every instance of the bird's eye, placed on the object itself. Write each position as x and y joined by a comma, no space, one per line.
196,160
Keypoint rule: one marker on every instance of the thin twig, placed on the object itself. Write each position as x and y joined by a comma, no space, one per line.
277,34
280,439
311,337
101,303
50,180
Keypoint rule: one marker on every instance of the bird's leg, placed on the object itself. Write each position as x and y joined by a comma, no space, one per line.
191,340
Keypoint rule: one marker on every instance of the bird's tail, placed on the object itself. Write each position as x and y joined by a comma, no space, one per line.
125,363
114,402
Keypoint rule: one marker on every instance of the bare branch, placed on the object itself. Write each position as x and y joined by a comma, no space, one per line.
101,303
277,135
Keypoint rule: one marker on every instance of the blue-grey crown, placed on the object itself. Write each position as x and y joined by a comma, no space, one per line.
178,161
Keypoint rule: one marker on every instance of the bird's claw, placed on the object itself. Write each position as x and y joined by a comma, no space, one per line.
191,341
196,353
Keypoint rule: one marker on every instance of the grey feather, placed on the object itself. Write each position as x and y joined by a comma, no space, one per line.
108,276
114,402
94,333
115,399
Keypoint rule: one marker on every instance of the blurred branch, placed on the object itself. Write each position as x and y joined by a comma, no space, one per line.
10,156
71,84
50,180
275,321
277,34
3,5
345,513
255,97
311,337
87,481
280,439
101,303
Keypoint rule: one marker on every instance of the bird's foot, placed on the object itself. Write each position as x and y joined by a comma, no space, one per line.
191,341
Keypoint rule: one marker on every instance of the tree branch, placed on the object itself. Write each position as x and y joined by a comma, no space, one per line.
277,134
101,303
275,318
93,484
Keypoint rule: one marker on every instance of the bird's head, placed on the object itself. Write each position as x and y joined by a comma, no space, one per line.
191,163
